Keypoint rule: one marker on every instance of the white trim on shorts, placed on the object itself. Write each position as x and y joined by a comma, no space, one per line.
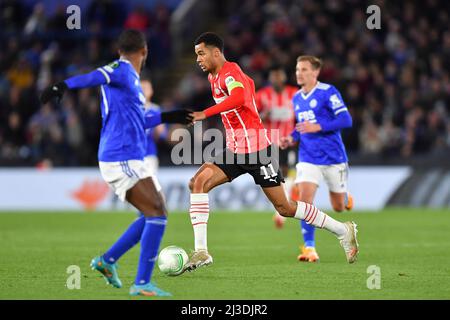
335,175
121,176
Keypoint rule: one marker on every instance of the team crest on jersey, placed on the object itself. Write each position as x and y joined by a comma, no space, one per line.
217,91
313,103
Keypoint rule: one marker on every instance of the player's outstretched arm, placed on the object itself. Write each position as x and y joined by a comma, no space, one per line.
152,119
91,79
235,99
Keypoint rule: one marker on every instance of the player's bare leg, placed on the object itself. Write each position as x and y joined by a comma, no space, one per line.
341,201
345,232
278,219
144,197
207,177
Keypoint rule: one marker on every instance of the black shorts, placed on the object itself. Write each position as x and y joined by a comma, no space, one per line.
263,166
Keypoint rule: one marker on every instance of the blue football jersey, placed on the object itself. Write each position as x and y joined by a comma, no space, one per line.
122,100
323,105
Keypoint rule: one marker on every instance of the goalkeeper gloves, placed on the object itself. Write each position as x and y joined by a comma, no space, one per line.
177,116
54,91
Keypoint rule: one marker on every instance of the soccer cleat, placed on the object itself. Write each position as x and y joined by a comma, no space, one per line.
348,201
279,220
198,259
308,254
109,271
148,290
349,242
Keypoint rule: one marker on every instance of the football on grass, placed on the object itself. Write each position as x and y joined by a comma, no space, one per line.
171,260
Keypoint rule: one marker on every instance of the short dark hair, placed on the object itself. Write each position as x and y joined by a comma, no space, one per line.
131,40
210,39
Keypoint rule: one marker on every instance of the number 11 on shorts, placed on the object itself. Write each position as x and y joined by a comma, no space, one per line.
266,172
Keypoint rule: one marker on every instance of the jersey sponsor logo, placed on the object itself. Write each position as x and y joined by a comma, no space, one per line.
306,116
313,103
335,101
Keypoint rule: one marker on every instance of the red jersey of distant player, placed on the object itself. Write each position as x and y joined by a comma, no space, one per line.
245,132
279,107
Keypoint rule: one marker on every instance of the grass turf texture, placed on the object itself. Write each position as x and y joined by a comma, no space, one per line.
252,259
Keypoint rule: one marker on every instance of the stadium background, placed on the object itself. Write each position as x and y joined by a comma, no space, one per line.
395,82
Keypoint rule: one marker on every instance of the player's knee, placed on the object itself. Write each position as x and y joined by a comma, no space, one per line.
155,208
339,207
199,182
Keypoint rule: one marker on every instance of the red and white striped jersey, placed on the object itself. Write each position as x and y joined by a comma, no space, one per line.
245,132
280,108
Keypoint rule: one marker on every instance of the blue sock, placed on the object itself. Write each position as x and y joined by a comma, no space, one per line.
308,231
150,241
128,239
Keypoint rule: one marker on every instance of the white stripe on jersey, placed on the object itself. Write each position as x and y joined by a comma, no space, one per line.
219,100
232,132
108,79
340,110
260,121
245,130
105,102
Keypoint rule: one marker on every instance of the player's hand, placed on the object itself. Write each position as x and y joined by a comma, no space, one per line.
177,116
286,142
54,91
307,127
198,116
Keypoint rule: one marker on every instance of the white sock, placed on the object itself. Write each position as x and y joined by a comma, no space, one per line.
312,215
199,213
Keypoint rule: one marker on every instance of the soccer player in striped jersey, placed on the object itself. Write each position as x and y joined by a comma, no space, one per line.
121,154
274,103
248,150
321,114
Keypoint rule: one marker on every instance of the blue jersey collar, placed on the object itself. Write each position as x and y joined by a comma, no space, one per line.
311,92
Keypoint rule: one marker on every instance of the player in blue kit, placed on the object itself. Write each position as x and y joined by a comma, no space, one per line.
153,134
320,114
121,153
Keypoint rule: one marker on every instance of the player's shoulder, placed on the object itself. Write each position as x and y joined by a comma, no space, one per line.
324,86
231,68
115,65
291,89
264,90
325,90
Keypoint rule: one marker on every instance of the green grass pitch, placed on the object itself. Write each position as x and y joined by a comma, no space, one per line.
252,259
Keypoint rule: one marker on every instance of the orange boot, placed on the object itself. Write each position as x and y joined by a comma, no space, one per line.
308,254
349,202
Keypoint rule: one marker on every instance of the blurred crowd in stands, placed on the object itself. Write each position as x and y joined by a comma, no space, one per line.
38,49
395,80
